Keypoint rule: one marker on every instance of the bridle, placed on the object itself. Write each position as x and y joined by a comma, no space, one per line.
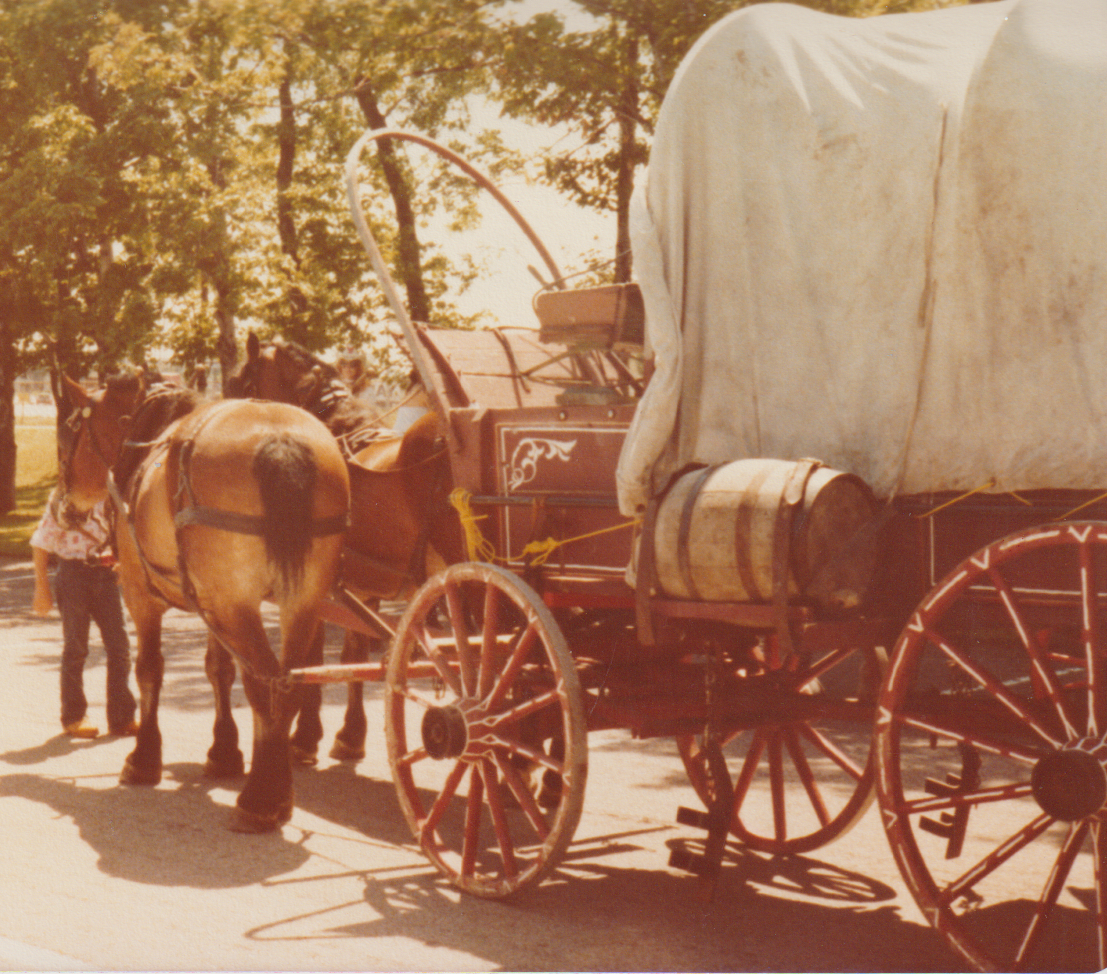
78,422
319,399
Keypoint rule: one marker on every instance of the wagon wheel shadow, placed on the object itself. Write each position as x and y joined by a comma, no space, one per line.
792,874
653,918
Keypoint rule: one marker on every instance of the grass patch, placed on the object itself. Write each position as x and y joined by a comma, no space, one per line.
36,472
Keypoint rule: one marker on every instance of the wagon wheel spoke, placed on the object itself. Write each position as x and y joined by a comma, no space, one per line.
822,666
474,810
803,769
1061,868
831,750
1042,669
1093,650
441,803
499,820
776,787
526,708
534,755
522,795
996,858
409,758
455,607
436,656
982,675
982,796
749,769
488,640
510,672
961,732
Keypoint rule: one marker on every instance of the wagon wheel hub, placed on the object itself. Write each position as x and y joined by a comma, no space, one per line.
444,732
1071,784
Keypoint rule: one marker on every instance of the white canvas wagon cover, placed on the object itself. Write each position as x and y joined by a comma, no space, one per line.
881,243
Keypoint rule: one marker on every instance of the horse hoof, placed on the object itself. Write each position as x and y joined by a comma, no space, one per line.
345,752
253,823
134,775
303,755
228,768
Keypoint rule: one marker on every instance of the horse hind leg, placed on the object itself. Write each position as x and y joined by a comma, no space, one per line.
309,725
266,799
349,742
224,756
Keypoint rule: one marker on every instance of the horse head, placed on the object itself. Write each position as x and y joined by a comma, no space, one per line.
99,423
286,372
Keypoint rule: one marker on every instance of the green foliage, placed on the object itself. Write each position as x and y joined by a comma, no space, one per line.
173,168
606,84
170,170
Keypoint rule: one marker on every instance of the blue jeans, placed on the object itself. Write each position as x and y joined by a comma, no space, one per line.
85,593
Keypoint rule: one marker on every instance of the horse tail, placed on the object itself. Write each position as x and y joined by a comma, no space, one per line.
285,471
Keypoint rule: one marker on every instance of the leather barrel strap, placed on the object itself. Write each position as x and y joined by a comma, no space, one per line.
791,498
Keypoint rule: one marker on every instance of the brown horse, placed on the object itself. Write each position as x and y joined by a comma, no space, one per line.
224,506
402,527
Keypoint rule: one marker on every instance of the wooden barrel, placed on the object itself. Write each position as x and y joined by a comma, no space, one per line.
717,531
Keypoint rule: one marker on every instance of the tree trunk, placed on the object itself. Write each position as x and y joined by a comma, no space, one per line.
7,424
226,345
286,225
624,180
410,261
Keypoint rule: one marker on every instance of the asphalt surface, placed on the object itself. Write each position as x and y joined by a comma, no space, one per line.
95,875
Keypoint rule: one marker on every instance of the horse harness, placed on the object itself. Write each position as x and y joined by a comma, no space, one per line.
415,573
186,513
321,401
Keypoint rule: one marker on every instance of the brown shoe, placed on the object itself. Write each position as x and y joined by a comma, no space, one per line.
127,730
82,729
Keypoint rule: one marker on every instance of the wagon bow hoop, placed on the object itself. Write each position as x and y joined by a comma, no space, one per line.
369,242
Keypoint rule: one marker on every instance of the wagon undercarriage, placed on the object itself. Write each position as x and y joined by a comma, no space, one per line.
940,647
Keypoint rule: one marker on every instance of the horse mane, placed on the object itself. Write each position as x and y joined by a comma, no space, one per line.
162,405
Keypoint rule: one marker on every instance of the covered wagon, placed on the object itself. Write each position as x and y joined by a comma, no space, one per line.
852,536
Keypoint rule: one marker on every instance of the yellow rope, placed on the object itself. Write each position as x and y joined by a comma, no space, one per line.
1081,507
481,549
477,546
957,500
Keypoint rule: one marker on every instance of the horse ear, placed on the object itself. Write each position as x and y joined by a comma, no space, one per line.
253,347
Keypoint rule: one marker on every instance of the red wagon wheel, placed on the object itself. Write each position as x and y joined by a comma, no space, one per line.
486,733
991,755
800,783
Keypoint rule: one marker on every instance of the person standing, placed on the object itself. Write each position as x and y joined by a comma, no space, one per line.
86,589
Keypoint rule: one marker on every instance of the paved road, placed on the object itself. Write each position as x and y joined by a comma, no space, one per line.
96,875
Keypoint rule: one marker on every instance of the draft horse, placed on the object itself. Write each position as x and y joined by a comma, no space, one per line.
402,527
220,507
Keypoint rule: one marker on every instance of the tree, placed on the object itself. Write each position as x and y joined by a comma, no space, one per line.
607,84
264,101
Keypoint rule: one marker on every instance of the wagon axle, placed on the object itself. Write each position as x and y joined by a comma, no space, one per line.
444,732
1071,784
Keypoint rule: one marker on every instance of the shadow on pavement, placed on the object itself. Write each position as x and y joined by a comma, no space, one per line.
167,836
593,916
